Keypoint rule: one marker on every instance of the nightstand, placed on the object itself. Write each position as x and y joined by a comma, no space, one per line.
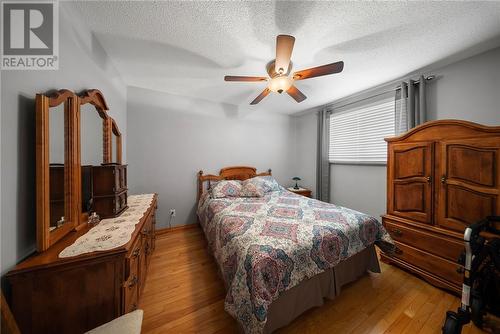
301,191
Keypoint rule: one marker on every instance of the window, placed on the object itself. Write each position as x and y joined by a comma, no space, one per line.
357,133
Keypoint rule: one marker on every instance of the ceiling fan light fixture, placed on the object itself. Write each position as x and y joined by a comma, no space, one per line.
280,84
281,79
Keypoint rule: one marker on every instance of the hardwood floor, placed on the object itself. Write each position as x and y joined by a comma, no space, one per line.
183,294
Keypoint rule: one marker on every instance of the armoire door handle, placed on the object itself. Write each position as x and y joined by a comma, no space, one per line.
429,179
443,179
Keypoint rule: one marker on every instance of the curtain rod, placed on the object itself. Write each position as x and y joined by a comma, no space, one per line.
416,82
427,78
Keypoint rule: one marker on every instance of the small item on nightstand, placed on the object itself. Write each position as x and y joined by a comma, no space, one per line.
94,219
296,179
301,191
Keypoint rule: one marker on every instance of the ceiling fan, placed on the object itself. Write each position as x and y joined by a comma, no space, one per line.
279,69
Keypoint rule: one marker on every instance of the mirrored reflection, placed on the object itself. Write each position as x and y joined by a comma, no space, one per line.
91,137
56,167
114,150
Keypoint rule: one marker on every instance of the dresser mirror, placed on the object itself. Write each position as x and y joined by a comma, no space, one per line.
92,124
75,141
91,138
113,148
95,139
91,151
56,166
105,191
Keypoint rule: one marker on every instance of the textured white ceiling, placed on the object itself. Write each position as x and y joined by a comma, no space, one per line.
186,48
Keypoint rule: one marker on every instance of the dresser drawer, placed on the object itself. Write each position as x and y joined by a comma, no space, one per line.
130,287
448,270
432,243
132,259
121,202
109,179
110,206
130,297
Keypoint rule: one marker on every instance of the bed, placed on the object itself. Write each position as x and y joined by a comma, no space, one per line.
280,254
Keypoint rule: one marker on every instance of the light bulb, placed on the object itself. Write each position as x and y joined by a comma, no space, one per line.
280,84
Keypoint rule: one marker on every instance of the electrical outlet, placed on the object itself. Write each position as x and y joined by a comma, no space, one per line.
172,212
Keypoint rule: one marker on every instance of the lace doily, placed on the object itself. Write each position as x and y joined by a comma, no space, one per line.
112,232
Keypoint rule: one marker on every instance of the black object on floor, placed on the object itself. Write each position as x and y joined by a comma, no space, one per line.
481,287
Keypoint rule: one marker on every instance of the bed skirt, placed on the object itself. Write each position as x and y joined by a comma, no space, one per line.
311,293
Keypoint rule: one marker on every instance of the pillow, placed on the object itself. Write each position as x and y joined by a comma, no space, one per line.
269,183
226,188
252,188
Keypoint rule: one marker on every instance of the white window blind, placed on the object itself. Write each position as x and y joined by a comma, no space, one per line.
357,134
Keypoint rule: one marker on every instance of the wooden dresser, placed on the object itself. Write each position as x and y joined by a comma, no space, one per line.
441,177
76,294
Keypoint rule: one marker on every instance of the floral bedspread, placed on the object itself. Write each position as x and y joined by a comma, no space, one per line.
267,245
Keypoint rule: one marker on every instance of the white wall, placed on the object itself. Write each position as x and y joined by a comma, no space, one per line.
172,137
83,65
468,89
358,187
306,143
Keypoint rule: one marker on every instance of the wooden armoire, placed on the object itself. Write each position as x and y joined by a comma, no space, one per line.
441,177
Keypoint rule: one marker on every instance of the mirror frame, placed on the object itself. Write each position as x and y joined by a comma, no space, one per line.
45,237
96,98
72,159
109,127
116,132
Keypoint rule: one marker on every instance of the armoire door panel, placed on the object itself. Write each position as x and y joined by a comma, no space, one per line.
410,185
413,203
409,162
472,164
469,187
465,207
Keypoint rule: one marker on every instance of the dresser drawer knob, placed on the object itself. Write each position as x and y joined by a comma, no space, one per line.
136,253
460,270
133,282
397,232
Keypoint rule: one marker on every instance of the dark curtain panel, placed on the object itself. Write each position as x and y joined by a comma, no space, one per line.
410,105
323,163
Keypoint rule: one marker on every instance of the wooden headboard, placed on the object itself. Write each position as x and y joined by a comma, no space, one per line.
228,173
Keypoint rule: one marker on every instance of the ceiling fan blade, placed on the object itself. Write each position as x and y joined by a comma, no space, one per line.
296,94
319,71
243,78
284,48
262,95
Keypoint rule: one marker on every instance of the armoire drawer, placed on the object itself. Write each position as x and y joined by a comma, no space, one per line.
448,270
432,243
